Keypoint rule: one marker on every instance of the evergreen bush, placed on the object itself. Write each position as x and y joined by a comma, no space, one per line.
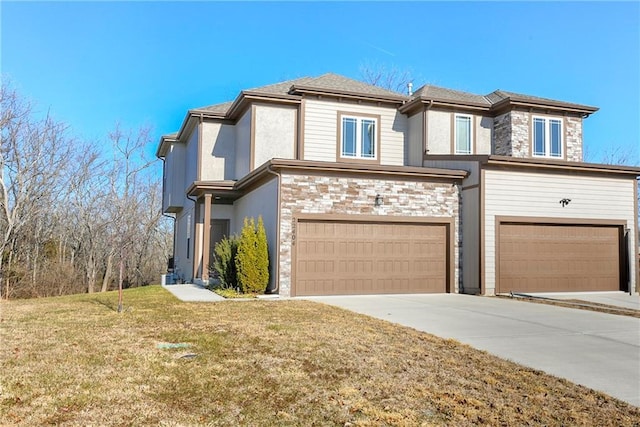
224,264
252,260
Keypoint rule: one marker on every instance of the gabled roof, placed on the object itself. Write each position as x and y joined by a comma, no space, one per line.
455,96
495,102
335,85
501,97
339,85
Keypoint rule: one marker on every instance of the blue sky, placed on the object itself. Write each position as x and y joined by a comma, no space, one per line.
93,64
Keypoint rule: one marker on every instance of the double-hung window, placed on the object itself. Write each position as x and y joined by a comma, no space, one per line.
463,133
547,137
358,137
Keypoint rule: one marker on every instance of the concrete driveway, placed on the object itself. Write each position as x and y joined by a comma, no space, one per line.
597,350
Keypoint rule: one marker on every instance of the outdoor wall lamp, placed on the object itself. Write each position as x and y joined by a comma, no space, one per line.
379,200
565,202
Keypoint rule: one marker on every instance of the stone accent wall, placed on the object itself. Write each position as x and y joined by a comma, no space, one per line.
511,134
303,194
520,128
573,138
502,135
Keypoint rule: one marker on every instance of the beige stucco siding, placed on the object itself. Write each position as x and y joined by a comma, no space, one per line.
190,166
321,130
537,195
173,178
275,133
415,149
438,132
483,134
183,234
218,151
243,145
263,201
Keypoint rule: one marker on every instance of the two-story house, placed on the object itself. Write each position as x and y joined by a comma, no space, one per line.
364,190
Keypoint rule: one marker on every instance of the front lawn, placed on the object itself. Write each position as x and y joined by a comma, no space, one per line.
76,361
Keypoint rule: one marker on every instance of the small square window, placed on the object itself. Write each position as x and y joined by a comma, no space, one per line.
359,137
547,137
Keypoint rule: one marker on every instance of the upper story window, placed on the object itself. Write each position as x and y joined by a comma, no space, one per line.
547,137
358,137
463,133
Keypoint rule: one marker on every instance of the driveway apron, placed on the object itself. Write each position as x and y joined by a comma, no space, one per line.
600,351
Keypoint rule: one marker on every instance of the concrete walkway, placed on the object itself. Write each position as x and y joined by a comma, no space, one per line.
598,350
193,293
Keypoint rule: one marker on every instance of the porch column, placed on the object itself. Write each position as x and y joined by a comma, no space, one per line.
197,241
206,222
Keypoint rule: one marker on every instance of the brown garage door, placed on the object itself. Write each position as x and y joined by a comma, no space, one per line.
558,258
343,257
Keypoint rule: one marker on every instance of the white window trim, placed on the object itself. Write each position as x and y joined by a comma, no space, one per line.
358,147
547,137
455,133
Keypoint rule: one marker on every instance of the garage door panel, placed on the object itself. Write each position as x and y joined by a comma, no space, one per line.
558,258
370,257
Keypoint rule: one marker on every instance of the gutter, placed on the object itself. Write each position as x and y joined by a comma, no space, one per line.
276,269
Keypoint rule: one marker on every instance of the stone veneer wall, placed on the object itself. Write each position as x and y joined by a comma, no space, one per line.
502,135
520,127
573,138
304,194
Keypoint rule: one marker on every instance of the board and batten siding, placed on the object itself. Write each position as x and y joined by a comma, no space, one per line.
538,195
321,130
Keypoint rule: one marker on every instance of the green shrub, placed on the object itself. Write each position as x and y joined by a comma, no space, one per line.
224,263
252,260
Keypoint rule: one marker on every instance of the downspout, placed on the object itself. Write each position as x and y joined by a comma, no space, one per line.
173,249
276,281
193,232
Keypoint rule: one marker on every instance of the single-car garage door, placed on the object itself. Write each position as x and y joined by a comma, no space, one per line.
357,257
558,258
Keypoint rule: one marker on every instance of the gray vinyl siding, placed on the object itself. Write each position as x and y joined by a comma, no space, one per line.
321,130
530,194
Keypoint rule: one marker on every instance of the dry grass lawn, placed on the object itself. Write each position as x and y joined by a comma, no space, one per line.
75,361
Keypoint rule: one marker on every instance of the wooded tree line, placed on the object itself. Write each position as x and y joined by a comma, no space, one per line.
75,216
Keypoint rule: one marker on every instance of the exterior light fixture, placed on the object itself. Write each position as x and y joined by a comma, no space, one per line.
379,200
565,202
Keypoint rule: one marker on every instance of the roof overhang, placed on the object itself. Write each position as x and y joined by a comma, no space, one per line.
507,162
547,105
310,90
232,190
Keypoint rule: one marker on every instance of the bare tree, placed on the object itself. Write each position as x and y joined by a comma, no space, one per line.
69,214
33,157
387,77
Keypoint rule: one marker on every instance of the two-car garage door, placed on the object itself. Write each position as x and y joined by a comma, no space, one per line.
558,257
338,257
